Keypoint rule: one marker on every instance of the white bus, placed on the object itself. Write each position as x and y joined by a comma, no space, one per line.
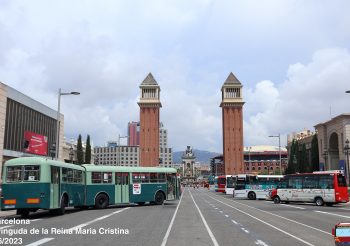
255,186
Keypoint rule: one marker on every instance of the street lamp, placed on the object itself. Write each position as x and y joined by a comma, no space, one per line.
346,151
58,115
279,148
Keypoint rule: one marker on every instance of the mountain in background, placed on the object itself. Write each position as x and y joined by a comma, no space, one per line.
202,156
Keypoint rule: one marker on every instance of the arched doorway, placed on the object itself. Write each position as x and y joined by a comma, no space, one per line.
333,152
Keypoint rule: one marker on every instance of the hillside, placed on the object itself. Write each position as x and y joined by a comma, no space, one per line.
202,156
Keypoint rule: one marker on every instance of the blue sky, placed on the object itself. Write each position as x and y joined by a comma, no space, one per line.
292,58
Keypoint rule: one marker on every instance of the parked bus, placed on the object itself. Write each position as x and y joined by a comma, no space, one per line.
32,183
255,186
318,187
221,183
108,185
216,187
211,181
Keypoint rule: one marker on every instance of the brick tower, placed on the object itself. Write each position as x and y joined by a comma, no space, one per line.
149,122
232,125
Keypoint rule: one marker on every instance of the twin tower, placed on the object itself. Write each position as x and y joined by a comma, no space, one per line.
232,123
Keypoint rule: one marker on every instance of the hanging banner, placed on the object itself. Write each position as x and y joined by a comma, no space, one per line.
35,143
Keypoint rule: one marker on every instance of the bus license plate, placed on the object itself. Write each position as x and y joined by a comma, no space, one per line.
9,206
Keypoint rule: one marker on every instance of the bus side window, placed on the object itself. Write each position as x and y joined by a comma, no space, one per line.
96,177
14,174
118,178
161,177
153,177
107,177
70,175
64,174
326,182
136,178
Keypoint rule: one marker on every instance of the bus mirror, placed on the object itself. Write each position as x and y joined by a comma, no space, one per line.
333,232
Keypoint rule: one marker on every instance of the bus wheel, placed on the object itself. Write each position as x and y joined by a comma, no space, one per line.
101,201
319,201
159,198
251,196
141,203
24,213
64,204
276,199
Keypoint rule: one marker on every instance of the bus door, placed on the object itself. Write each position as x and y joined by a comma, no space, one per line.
55,187
171,186
121,188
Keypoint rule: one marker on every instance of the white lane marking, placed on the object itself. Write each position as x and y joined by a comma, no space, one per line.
205,223
165,239
262,243
272,226
42,241
291,206
279,216
226,215
345,208
234,222
221,211
245,230
216,208
97,219
343,216
4,227
35,220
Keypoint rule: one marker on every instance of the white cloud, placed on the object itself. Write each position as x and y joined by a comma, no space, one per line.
302,100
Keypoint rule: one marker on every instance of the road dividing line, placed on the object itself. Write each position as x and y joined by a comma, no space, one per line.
279,216
272,226
165,239
234,222
4,227
226,215
205,223
286,205
338,215
42,241
259,242
100,218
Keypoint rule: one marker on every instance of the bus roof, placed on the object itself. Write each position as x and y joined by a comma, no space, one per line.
40,161
99,168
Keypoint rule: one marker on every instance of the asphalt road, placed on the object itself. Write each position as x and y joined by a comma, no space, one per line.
201,217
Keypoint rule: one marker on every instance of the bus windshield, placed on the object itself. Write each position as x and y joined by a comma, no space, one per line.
341,180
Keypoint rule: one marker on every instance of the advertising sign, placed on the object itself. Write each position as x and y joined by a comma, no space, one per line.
35,143
136,189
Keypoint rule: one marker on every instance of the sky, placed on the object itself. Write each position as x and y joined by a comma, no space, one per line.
292,58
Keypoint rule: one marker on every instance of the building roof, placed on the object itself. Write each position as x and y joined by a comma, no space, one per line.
232,80
149,80
263,148
345,115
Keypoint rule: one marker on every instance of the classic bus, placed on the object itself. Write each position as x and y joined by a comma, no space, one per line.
327,187
221,183
255,186
32,183
108,185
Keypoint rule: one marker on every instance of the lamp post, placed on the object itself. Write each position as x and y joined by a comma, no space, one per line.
250,163
346,151
279,148
60,93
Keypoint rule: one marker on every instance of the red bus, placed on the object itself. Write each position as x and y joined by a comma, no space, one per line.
341,234
326,187
221,183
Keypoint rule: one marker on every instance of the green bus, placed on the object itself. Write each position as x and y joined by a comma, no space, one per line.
32,183
108,185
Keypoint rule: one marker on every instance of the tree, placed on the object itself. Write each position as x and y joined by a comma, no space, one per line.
80,152
303,163
314,154
88,150
292,162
